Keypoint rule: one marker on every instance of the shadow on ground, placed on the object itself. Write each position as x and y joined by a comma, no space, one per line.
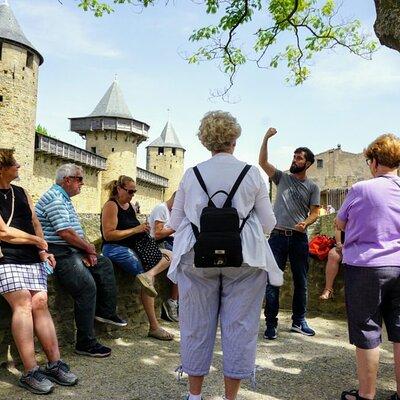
291,367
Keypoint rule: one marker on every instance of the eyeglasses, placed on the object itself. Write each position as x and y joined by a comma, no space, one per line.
78,178
368,161
129,191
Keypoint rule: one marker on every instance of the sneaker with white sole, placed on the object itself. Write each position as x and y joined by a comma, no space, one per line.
36,382
271,332
169,311
60,374
302,328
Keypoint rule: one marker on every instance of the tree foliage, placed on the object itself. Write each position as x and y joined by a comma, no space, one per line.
291,32
42,130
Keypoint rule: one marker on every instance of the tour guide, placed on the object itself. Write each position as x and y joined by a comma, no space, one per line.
296,207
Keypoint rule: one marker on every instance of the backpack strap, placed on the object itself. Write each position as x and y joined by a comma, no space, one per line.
228,201
203,186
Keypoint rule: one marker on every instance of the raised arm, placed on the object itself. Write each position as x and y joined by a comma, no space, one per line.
263,156
109,222
161,231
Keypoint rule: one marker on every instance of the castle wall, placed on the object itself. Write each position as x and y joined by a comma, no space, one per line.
168,165
44,171
120,149
148,196
18,91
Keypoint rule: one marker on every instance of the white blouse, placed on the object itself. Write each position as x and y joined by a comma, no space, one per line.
220,173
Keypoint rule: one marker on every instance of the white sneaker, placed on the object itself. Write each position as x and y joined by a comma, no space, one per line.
169,310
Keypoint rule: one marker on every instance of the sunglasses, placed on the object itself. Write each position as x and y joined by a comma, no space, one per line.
129,191
78,178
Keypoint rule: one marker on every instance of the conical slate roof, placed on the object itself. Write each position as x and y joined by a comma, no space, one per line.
112,104
168,138
10,31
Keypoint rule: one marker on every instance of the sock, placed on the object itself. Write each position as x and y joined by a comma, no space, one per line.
194,396
52,364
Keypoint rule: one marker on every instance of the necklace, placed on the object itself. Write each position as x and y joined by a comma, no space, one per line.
6,194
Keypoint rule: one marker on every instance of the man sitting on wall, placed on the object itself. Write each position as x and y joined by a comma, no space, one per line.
163,234
86,276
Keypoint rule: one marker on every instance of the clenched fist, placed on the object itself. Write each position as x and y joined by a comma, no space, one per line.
270,132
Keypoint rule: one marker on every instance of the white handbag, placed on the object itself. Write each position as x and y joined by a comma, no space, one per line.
11,215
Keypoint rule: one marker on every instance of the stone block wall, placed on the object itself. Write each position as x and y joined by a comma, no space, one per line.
148,196
18,96
44,171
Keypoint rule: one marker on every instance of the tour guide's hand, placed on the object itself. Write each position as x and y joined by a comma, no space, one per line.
301,226
270,132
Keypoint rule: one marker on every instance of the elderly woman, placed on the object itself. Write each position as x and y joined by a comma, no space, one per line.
232,294
23,282
127,243
370,216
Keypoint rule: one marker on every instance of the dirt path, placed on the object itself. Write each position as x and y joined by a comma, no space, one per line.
291,367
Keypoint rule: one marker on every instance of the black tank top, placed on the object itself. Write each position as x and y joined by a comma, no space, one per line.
22,219
126,219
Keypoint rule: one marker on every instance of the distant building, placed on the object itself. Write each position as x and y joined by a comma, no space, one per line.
335,171
112,134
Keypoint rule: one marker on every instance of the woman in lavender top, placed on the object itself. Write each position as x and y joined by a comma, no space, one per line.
370,216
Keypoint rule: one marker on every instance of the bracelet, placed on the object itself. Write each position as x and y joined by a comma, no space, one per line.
42,251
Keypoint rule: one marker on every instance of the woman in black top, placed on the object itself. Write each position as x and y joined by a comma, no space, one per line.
127,243
23,282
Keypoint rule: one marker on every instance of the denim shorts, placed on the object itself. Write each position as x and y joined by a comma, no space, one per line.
123,257
372,295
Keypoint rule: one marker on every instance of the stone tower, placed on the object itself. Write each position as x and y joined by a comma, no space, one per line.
111,132
165,156
19,68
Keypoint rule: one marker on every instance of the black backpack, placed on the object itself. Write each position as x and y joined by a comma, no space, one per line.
218,243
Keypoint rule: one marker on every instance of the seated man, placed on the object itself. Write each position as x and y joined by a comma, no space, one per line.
86,276
163,234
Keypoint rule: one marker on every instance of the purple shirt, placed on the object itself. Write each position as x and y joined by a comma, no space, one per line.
371,211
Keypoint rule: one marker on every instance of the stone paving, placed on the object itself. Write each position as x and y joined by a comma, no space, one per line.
291,367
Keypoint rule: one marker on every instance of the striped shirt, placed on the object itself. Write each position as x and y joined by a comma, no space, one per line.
56,213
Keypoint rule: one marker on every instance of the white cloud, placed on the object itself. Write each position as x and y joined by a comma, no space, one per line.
60,32
351,75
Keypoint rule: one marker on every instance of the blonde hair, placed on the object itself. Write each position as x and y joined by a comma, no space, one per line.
385,149
7,158
113,185
218,130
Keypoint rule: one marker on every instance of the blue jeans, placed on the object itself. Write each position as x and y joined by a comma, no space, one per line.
296,248
124,258
93,289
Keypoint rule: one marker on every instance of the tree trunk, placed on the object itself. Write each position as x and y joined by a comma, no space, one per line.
387,24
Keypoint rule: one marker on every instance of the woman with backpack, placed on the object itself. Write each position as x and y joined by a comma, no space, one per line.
221,257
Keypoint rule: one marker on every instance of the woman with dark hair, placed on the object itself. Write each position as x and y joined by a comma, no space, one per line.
23,283
370,217
127,243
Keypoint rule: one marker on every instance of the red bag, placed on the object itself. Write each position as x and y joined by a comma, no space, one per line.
320,246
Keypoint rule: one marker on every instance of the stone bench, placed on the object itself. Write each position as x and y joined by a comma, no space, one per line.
61,308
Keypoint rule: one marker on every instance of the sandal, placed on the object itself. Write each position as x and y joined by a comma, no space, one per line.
160,334
147,284
326,294
353,393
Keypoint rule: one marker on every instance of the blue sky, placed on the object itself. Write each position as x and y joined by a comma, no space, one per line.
347,100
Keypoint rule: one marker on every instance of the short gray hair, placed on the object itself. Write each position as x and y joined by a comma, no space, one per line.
67,170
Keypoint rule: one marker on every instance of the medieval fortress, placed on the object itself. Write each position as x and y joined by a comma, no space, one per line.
112,134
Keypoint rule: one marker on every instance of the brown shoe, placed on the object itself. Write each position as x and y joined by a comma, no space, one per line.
147,284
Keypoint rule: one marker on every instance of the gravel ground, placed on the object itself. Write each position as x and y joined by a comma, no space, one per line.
291,367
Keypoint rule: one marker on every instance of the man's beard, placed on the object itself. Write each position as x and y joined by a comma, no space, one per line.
294,169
